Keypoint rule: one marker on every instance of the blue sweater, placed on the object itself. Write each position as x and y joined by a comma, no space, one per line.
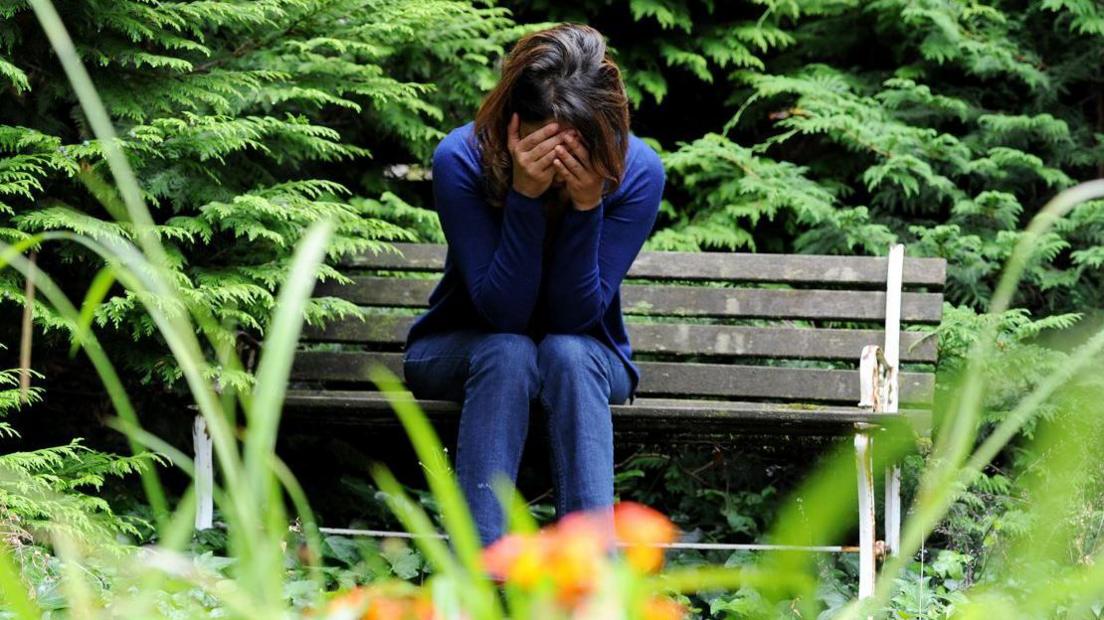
500,277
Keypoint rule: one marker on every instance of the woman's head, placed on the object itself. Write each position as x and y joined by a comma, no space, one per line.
562,74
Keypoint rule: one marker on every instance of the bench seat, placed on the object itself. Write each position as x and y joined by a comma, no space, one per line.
759,344
691,417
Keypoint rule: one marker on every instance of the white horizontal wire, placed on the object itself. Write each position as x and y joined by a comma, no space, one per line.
341,531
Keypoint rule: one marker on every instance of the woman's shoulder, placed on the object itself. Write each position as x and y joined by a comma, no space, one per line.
641,157
643,173
460,143
457,160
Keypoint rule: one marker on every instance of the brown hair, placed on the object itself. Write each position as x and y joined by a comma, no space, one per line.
563,73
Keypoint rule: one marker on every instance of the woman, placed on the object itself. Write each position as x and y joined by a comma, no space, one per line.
545,201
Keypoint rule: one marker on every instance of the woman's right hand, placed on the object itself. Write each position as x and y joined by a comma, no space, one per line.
533,155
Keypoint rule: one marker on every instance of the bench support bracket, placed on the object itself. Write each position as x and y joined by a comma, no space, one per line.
204,474
892,508
867,522
894,283
879,390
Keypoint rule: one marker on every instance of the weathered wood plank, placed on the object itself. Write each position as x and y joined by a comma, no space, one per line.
355,408
410,257
678,339
785,268
372,291
776,303
660,300
771,342
790,384
741,267
660,378
376,328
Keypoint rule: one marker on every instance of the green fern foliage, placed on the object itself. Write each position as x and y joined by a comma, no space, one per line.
245,122
836,126
52,491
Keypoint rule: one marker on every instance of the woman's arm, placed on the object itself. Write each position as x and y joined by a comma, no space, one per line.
594,249
500,263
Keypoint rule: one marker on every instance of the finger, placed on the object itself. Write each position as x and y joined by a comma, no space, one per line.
538,136
512,137
578,150
577,169
546,160
564,171
546,146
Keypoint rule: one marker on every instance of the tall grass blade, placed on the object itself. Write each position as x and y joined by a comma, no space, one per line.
518,517
274,366
93,298
455,514
417,522
13,592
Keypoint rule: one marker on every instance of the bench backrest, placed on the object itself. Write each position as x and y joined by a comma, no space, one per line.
793,325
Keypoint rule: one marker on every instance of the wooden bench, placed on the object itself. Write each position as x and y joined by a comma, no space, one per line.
725,342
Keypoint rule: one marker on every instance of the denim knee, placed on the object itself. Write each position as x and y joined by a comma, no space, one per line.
506,357
569,354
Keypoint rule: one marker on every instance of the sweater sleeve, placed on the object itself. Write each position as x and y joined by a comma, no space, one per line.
594,249
500,262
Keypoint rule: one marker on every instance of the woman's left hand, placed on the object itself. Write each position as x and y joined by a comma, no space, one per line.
572,161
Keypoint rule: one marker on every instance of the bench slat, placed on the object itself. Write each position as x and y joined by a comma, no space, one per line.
772,342
671,378
679,339
656,300
741,267
354,408
791,384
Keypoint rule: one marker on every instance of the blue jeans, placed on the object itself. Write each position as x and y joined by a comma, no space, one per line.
495,377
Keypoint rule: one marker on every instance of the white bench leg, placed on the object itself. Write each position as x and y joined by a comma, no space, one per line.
893,509
865,466
204,474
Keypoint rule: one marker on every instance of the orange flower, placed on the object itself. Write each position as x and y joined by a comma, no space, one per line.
348,605
379,602
570,553
386,609
517,558
576,554
640,529
663,608
405,608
